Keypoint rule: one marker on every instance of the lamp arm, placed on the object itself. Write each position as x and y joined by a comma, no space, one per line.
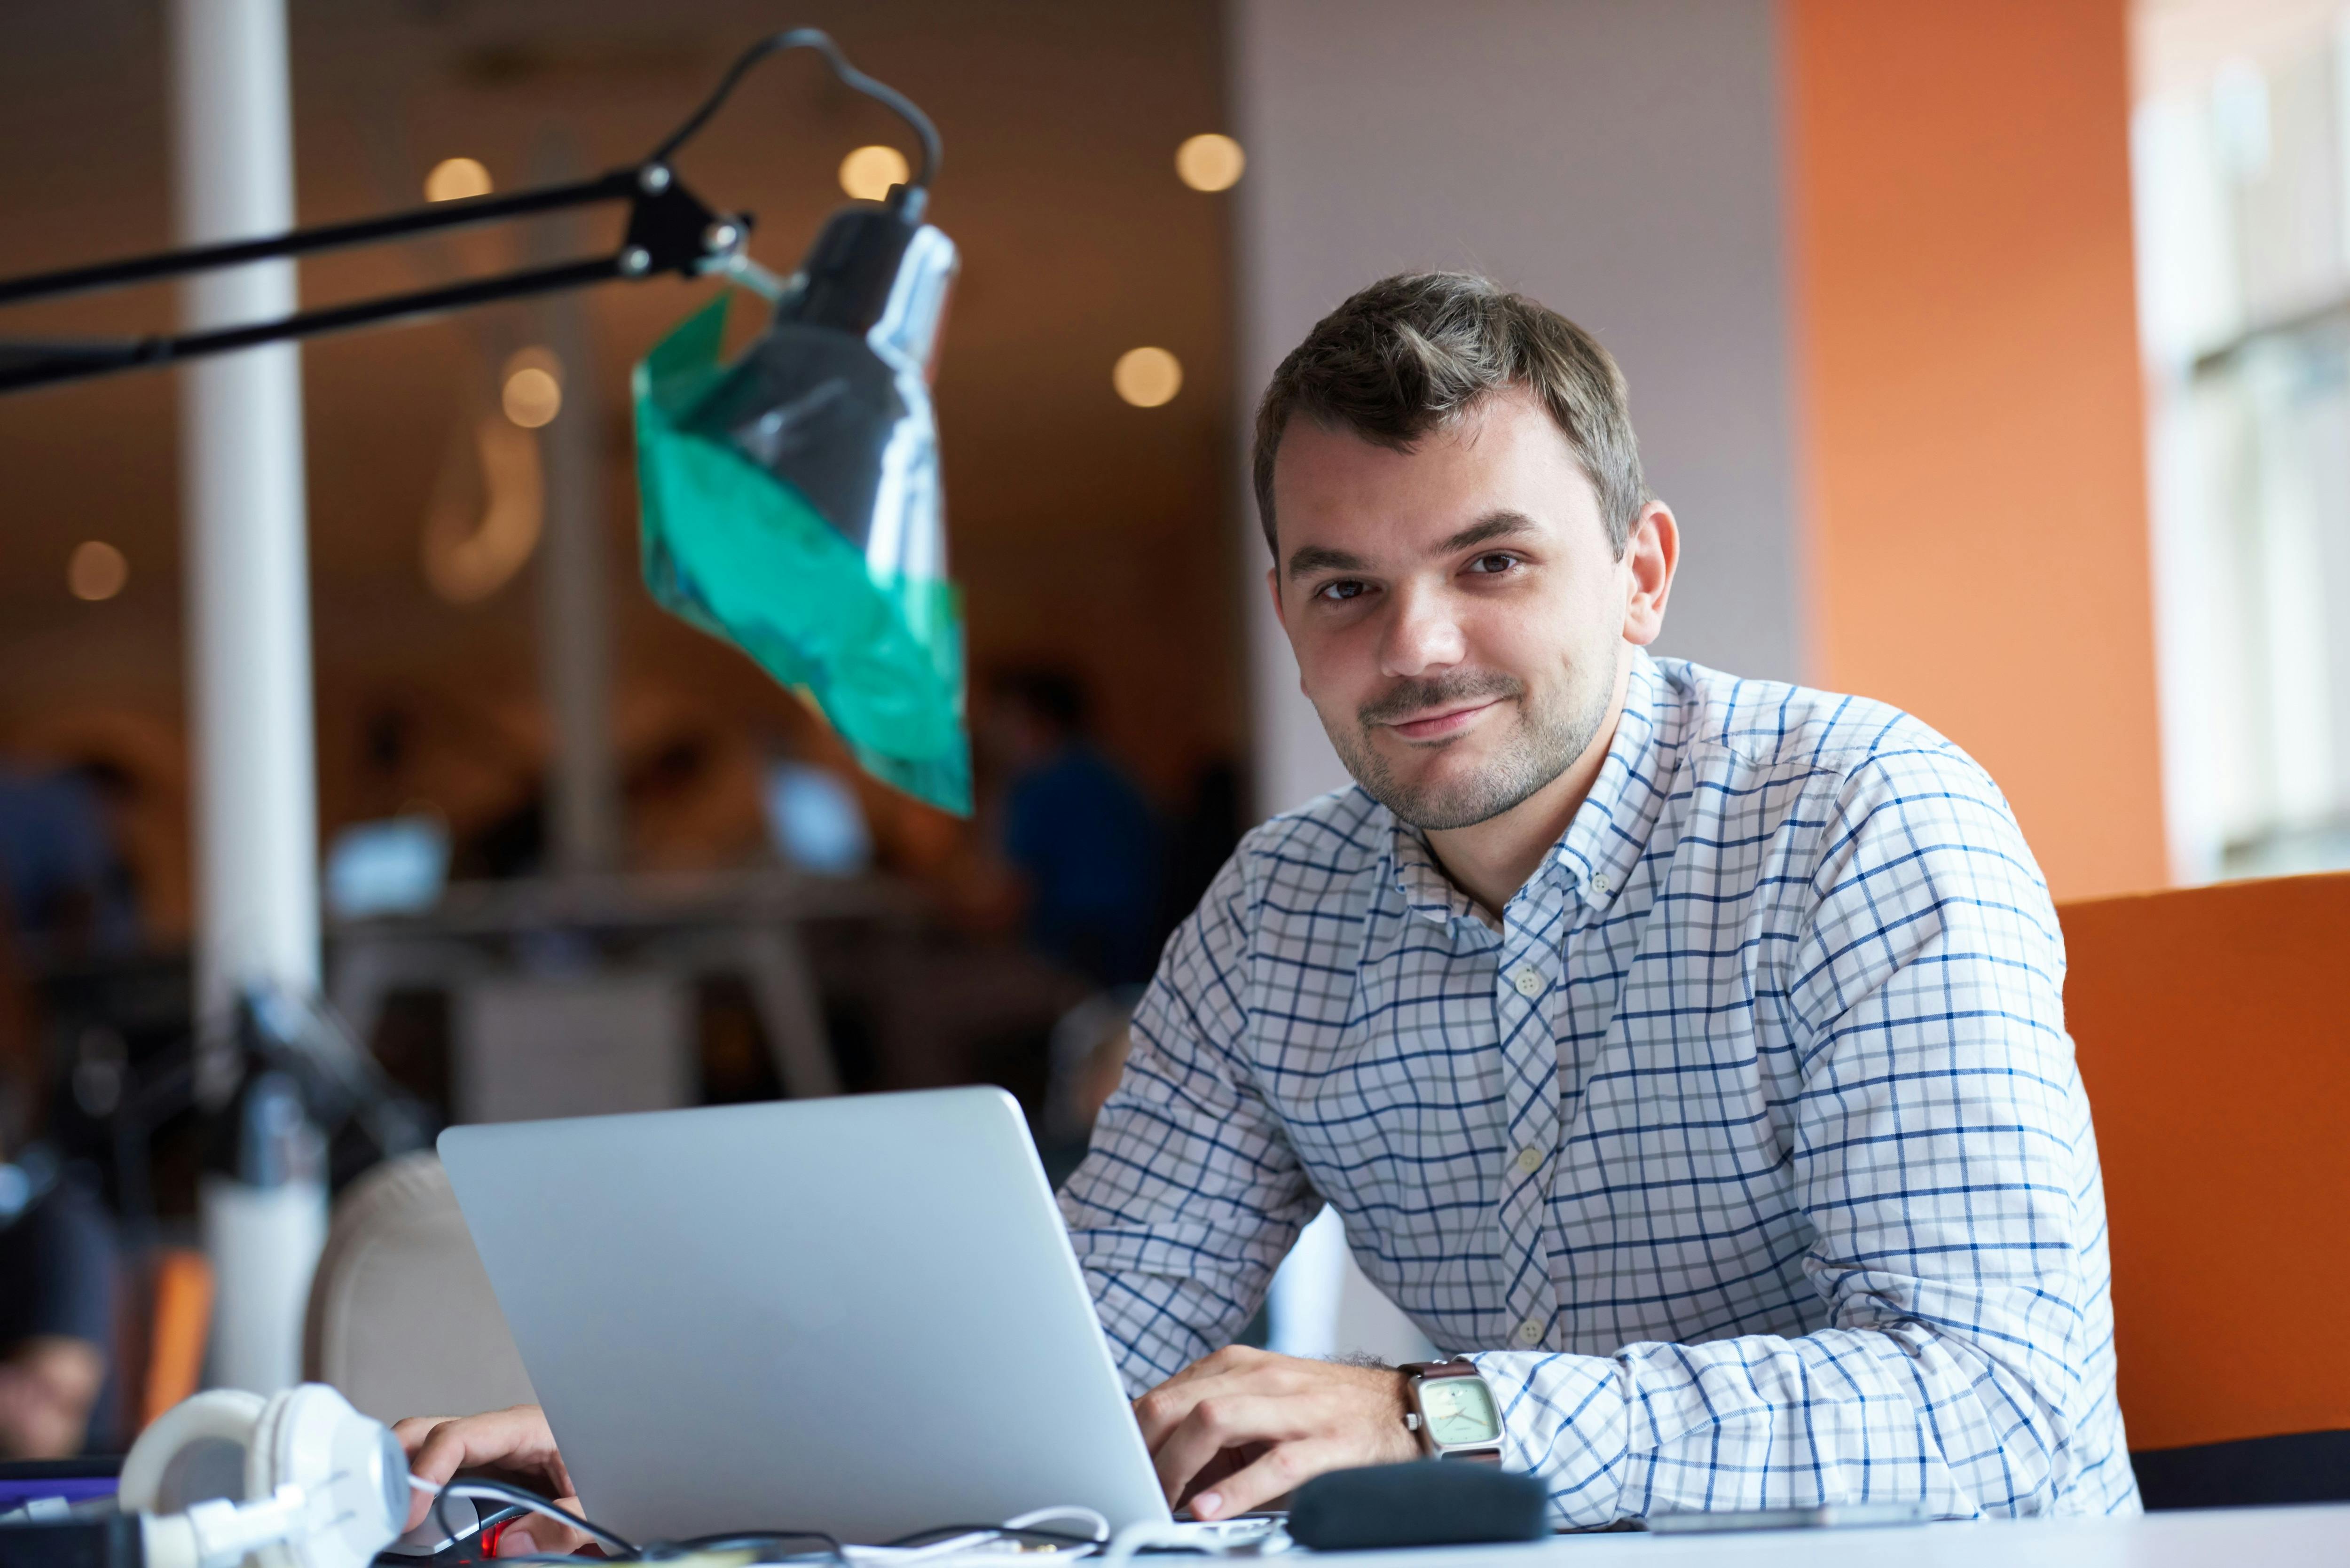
609,187
670,230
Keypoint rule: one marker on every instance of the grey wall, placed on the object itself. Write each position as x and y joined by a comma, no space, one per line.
1619,160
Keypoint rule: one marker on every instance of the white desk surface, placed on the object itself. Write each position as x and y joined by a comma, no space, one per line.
2216,1537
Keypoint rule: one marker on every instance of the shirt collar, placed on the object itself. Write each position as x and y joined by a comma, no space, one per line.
1602,846
1610,832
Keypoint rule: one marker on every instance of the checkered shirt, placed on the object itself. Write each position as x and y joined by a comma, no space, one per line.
1747,1158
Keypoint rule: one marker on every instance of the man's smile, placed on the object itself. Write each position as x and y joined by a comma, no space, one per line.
1444,723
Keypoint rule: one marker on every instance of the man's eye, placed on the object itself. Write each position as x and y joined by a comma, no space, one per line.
1493,565
1338,591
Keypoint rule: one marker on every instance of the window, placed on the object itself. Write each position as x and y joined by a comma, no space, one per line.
2240,146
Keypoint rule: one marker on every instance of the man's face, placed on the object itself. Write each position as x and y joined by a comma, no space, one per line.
1458,613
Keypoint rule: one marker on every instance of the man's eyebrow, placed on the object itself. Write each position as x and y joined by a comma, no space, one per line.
1484,531
1321,558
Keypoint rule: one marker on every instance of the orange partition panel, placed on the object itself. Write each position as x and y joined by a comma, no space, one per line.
1970,413
2214,1038
182,1323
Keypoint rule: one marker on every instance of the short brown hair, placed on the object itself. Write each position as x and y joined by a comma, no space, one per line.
1414,352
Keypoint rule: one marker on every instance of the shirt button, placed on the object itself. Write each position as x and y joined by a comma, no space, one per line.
1599,884
1528,979
1529,1160
1529,1332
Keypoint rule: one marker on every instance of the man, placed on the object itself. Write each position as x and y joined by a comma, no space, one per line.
1688,1053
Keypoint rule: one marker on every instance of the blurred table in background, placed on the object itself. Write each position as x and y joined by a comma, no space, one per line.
570,995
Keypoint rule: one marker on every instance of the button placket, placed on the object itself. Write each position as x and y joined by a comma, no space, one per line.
1530,1089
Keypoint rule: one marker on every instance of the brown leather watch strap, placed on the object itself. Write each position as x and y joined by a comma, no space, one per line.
1455,1368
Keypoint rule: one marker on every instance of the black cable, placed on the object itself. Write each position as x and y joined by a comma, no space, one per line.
849,76
529,1499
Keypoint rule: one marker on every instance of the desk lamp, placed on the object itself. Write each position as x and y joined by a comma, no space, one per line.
791,499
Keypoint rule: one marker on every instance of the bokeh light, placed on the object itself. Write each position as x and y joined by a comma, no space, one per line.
454,178
1147,377
96,570
869,171
532,393
1210,162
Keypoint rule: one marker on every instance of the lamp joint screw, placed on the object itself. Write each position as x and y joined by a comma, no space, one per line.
635,261
654,178
721,236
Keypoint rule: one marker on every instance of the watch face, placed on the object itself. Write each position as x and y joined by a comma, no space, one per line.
1459,1411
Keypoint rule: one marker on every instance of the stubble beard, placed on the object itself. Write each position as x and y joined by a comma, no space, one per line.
1549,736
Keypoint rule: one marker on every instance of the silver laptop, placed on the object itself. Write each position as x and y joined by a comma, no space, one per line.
856,1315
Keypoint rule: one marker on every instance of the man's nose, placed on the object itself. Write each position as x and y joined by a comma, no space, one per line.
1421,635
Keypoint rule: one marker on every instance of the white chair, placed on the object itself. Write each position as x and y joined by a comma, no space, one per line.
401,1318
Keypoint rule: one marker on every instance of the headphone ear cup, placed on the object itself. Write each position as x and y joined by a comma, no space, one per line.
195,1451
310,1437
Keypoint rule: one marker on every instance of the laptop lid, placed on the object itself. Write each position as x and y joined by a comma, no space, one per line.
859,1315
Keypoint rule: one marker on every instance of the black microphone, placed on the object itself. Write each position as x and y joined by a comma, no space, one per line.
1427,1502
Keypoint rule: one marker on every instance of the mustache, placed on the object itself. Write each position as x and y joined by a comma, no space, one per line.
1410,696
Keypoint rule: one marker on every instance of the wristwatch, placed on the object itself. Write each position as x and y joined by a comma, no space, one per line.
1453,1412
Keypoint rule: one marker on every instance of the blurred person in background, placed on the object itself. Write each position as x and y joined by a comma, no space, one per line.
68,887
57,1280
1084,840
58,1261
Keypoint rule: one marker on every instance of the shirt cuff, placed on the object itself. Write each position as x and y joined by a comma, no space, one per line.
1565,1418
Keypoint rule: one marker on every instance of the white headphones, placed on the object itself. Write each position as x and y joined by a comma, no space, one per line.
298,1480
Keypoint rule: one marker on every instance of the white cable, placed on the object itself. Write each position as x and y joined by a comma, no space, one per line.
1135,1537
971,1540
1035,1516
902,1556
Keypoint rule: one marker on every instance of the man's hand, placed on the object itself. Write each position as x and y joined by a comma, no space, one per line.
1238,1429
517,1446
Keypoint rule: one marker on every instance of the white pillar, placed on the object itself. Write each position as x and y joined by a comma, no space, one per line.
249,712
247,557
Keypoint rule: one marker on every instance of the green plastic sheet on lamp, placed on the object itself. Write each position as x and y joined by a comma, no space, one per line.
791,507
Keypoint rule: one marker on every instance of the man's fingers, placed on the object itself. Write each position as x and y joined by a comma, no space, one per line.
434,1455
1278,1470
1216,1423
534,1533
516,1441
1170,1403
412,1430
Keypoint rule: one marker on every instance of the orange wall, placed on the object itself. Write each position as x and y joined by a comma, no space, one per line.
1972,433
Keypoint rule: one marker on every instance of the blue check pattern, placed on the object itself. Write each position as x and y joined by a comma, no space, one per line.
1746,1158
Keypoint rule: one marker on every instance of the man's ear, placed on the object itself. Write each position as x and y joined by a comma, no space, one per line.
1273,587
1652,554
